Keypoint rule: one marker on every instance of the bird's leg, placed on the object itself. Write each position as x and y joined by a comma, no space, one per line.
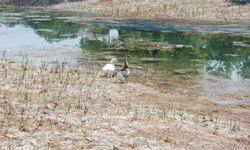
123,81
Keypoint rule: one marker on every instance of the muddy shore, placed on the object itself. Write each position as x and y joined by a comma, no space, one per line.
219,10
69,107
196,10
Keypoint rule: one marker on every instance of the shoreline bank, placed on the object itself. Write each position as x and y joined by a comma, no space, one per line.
192,10
70,107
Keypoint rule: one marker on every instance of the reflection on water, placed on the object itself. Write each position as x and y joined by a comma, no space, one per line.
113,35
218,68
174,49
23,38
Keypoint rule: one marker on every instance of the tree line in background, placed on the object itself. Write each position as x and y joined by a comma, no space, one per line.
50,2
35,2
239,1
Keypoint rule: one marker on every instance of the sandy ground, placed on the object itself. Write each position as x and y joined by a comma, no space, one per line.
182,9
69,107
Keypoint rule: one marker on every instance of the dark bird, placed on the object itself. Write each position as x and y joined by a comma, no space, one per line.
123,74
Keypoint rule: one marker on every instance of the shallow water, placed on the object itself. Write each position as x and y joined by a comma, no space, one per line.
215,56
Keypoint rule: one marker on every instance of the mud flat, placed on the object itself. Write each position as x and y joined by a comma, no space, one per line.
219,10
64,106
208,10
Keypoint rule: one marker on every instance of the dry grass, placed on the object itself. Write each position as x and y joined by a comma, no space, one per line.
64,106
182,9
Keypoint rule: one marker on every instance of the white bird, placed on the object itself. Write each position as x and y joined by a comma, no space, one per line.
123,74
109,68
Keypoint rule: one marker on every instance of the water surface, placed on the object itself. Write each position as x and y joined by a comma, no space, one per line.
216,56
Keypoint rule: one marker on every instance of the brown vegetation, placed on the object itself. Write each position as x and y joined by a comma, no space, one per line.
182,9
62,106
223,10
